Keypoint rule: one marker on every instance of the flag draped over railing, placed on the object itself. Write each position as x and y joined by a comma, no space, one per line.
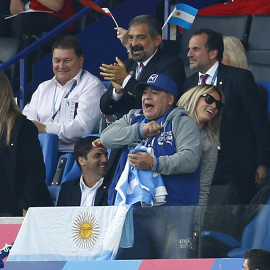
69,234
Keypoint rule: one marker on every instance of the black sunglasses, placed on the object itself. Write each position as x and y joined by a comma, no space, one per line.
209,100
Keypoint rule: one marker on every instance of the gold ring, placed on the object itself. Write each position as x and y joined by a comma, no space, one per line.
108,75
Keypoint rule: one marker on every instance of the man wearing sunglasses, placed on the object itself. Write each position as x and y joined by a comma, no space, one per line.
245,133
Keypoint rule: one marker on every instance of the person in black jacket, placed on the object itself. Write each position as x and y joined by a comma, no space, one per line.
22,170
244,133
144,38
91,188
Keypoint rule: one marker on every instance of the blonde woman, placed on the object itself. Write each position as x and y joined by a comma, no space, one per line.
234,53
22,170
204,104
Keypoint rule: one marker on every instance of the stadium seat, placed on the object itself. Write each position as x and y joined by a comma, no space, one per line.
266,85
64,165
255,235
9,47
261,72
237,26
54,191
49,146
258,50
74,172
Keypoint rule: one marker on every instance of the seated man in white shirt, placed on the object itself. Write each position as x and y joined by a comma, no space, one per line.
91,188
68,104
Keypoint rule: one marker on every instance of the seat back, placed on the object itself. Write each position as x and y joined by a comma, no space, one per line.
261,237
64,165
54,191
266,85
258,50
49,145
74,172
259,37
237,26
261,72
9,47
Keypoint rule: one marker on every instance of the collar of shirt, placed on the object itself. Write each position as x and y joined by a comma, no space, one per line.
211,71
89,194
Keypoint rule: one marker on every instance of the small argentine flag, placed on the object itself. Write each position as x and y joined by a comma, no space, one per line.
182,15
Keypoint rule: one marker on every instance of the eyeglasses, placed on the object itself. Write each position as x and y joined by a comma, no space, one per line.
209,100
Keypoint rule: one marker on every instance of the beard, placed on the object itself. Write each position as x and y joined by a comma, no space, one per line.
138,57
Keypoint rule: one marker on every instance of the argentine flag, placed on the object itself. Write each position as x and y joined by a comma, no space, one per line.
69,234
182,15
136,185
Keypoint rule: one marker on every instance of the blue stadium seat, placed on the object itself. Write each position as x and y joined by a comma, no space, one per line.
74,172
255,235
65,164
49,146
106,84
54,191
266,85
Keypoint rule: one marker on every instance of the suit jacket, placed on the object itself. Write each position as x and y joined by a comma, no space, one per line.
244,131
131,99
70,193
22,172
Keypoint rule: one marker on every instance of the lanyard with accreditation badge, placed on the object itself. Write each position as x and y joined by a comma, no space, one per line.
66,96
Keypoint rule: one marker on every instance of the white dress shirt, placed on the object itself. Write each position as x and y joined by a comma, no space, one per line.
211,72
89,194
46,101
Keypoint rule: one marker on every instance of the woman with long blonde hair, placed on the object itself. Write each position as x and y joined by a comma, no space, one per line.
22,170
204,104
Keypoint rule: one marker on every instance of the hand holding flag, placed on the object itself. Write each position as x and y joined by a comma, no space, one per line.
182,15
110,14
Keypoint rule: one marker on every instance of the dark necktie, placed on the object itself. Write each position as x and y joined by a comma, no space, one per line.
141,70
203,78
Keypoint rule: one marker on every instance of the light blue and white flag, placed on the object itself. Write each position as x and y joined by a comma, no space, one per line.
136,185
182,15
69,234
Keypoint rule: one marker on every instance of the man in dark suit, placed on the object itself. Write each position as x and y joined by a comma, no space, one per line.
244,134
91,188
144,37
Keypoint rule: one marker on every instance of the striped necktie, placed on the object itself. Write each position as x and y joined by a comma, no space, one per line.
203,78
141,70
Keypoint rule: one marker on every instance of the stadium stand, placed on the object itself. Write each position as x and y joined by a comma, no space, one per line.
255,235
95,39
258,50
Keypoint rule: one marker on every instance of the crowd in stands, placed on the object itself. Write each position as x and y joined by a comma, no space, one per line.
34,17
208,129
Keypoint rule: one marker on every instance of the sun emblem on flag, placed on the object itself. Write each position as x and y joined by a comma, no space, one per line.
178,13
85,230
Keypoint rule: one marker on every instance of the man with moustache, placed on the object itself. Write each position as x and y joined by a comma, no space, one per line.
91,188
68,104
144,38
